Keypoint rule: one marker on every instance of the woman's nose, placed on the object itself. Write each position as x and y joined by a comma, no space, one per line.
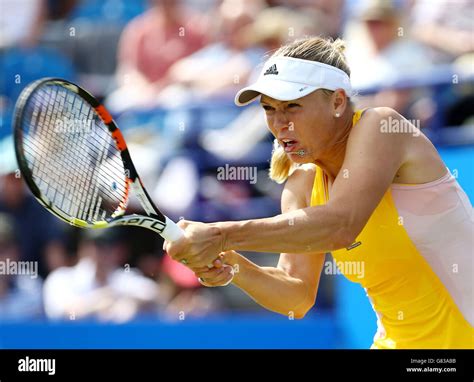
281,121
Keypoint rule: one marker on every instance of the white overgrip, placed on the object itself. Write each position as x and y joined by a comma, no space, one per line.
171,232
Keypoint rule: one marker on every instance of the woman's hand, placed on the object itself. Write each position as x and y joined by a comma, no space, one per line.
220,274
199,247
215,277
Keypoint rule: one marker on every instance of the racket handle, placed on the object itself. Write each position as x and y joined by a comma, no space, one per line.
172,232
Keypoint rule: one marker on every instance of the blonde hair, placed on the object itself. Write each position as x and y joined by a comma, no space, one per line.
317,49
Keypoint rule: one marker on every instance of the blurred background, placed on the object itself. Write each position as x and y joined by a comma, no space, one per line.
168,71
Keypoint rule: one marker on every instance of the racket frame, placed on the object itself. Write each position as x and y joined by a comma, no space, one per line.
155,221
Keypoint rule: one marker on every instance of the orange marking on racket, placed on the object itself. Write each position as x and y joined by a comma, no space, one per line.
119,140
123,203
104,114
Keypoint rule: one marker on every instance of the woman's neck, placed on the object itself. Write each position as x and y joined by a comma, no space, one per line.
331,162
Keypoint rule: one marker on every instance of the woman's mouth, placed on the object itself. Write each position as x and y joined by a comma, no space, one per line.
289,145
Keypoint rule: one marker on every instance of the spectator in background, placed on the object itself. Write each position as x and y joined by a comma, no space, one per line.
22,22
20,294
217,69
331,10
276,26
445,26
383,52
149,45
183,293
42,237
100,285
381,41
24,57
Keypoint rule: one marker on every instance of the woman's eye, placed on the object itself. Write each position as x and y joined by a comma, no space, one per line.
293,105
267,108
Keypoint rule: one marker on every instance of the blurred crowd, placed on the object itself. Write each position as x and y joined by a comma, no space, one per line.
168,71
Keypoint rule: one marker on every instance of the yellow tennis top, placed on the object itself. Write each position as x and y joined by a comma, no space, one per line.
413,305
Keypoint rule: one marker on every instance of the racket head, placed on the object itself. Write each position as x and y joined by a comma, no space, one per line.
71,154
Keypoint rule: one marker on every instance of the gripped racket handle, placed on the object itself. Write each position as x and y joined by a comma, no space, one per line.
171,232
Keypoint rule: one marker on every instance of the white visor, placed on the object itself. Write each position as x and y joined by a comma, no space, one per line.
288,78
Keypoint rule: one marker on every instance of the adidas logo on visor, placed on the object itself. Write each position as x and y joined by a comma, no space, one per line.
271,70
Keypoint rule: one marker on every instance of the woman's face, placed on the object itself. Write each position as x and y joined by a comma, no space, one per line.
305,127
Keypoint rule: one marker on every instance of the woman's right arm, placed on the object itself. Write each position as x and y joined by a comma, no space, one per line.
291,287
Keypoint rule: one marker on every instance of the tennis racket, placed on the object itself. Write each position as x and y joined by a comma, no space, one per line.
75,161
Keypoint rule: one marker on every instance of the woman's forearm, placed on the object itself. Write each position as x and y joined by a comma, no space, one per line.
271,287
316,229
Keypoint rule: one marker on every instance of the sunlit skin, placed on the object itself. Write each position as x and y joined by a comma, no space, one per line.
312,122
302,120
320,124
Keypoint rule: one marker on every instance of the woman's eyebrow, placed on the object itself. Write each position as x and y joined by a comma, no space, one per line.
269,104
284,103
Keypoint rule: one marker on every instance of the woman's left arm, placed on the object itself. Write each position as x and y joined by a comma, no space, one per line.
372,160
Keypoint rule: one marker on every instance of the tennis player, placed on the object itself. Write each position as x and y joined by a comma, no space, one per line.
367,186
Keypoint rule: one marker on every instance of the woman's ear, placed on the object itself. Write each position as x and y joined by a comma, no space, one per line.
339,102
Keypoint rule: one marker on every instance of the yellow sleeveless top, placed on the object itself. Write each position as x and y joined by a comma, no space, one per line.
413,306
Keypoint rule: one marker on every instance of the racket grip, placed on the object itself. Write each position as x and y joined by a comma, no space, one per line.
171,232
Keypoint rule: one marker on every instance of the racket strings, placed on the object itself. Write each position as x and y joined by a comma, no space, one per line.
51,148
75,199
100,151
72,156
87,201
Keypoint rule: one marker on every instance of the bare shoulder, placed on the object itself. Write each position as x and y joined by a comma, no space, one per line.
378,129
385,133
297,191
379,120
380,112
